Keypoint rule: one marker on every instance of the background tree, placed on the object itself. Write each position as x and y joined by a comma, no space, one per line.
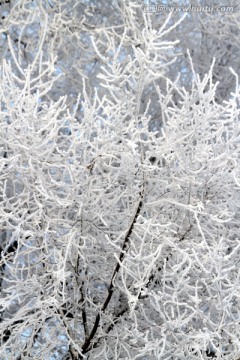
119,182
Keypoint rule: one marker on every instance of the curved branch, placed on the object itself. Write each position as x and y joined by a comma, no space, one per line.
86,344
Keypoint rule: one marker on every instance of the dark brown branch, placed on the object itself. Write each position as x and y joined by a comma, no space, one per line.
110,327
126,241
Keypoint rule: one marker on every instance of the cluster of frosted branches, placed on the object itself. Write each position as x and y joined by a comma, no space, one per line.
118,241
